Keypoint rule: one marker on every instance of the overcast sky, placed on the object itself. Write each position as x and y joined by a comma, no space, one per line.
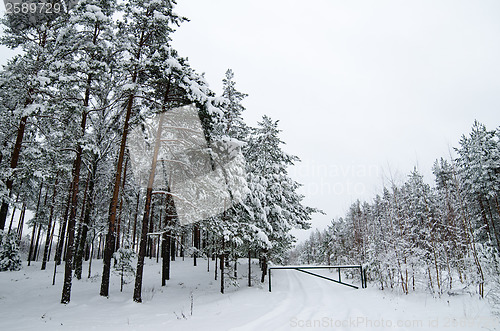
362,89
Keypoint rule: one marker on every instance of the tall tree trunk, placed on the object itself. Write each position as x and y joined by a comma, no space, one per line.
215,267
80,225
136,214
51,240
35,223
37,243
89,206
48,238
165,248
172,246
168,239
62,229
110,237
30,253
149,251
222,257
149,194
121,205
196,242
13,165
20,225
249,268
13,210
68,270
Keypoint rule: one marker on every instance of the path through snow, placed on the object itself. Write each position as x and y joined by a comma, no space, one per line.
28,301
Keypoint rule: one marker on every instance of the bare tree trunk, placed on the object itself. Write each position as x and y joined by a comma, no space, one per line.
68,270
78,238
249,268
135,220
62,229
172,246
20,225
114,201
37,242
50,232
89,206
118,226
196,242
165,247
222,268
91,255
51,240
149,194
149,250
110,236
31,244
35,223
215,268
13,165
13,212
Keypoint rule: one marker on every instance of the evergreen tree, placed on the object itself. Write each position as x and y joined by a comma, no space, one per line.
10,259
123,265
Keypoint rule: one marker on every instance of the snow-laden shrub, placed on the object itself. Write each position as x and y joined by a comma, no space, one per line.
123,264
10,260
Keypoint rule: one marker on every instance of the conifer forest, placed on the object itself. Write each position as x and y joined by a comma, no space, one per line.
121,168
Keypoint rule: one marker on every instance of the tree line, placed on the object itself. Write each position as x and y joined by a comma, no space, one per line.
417,236
68,103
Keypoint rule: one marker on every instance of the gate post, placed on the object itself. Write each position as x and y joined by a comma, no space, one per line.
269,271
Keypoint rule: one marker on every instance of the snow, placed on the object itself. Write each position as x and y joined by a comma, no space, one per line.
160,17
28,301
129,87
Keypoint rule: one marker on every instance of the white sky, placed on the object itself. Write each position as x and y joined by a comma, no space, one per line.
361,88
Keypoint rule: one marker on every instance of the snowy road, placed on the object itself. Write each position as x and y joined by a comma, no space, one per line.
192,301
314,303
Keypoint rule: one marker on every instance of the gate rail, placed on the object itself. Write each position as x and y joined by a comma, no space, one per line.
362,272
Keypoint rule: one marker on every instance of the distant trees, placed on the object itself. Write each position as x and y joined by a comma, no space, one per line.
417,236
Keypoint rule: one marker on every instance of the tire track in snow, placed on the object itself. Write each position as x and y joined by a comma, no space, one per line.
276,318
308,299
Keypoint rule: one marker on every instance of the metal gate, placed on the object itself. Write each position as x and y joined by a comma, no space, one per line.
303,269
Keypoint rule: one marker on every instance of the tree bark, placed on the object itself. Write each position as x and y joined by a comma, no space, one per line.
13,165
165,250
222,257
62,229
134,231
249,269
35,223
149,250
49,226
196,242
80,225
20,225
108,251
68,270
149,194
89,206
121,206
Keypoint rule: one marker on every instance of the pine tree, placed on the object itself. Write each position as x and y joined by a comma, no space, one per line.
275,205
10,259
123,266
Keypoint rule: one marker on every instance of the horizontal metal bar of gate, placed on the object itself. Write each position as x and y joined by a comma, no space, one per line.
339,281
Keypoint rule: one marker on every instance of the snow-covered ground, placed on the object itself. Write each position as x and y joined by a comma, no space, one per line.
28,301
